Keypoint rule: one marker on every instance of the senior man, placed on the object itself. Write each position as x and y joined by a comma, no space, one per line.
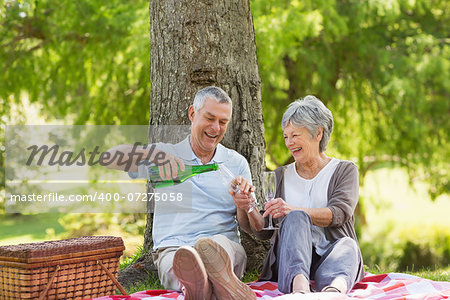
199,251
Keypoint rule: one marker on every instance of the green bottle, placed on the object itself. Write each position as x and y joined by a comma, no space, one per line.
189,171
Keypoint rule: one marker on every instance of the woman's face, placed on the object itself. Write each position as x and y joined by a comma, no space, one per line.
298,140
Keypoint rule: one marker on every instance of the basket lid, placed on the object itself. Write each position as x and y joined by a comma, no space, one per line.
27,252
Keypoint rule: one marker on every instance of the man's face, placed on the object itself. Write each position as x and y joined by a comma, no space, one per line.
209,125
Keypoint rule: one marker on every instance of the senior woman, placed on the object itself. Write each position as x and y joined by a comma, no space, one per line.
315,201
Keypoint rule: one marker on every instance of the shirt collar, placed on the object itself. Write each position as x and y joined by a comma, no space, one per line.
187,154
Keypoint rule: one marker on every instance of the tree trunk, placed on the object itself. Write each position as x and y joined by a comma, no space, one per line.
200,43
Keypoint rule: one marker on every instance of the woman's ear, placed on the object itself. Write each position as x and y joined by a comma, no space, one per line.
319,134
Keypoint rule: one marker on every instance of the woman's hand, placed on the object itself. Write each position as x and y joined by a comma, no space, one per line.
277,207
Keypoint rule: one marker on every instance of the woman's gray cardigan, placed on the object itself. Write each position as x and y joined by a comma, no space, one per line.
342,199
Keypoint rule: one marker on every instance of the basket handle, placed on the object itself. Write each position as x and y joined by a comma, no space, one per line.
111,276
49,284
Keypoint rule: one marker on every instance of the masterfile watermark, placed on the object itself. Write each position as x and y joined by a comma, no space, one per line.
69,158
60,168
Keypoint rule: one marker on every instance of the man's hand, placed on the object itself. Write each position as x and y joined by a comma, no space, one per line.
243,196
169,169
129,157
242,199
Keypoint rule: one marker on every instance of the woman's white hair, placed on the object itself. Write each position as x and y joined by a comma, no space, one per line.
312,114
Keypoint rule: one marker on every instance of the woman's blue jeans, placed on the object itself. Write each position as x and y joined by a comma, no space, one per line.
296,255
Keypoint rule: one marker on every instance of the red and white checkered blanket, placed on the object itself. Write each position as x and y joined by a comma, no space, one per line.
384,286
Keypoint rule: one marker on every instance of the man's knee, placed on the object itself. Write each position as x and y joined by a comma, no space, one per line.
164,264
235,251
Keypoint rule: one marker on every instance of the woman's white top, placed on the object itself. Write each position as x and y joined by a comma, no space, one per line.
310,193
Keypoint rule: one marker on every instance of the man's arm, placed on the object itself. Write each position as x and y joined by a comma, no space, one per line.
128,158
120,158
242,200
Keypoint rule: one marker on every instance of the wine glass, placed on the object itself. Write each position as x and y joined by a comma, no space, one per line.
227,178
269,187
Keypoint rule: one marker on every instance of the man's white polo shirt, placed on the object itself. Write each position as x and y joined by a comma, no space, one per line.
206,209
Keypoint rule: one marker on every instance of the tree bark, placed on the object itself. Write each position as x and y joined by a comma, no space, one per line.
200,43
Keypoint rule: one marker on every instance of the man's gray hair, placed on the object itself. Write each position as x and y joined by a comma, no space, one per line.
212,92
312,114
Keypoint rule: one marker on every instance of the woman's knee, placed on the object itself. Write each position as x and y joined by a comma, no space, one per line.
348,242
295,223
297,217
348,247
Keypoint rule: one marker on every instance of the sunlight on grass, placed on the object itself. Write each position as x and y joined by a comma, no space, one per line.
437,275
390,200
404,227
394,211
29,228
152,283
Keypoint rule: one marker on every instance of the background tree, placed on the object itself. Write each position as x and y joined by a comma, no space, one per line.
83,62
209,43
382,67
86,60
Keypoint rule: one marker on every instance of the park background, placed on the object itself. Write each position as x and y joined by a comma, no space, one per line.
382,67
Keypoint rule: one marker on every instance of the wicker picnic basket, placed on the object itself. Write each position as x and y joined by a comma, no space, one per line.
78,268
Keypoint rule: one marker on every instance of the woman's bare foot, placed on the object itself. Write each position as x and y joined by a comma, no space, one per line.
300,284
338,285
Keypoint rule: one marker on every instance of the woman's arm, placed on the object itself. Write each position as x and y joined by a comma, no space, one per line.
342,200
343,193
279,208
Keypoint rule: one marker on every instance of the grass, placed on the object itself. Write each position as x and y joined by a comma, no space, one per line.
251,276
388,199
153,283
29,228
436,274
398,213
127,261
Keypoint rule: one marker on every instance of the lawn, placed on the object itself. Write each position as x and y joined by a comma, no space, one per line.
405,229
389,199
29,228
390,203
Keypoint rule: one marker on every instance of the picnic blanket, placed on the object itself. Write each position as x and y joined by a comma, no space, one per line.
384,286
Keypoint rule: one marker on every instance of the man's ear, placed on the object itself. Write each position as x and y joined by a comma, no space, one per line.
191,112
